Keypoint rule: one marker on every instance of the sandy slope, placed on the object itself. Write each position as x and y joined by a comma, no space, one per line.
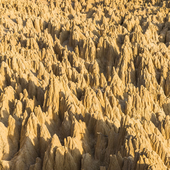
84,85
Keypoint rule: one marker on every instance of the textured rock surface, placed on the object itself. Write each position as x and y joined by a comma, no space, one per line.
84,84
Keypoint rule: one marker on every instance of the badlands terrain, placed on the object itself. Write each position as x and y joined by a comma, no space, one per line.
84,85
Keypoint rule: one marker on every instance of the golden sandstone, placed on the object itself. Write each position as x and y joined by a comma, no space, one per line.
84,84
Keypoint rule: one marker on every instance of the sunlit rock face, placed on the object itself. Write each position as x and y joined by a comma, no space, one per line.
84,84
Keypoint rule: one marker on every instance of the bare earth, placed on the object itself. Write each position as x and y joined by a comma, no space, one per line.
85,85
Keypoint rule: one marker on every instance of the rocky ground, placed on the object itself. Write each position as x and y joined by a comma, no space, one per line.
84,85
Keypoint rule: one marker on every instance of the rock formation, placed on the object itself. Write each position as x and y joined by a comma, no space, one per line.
84,84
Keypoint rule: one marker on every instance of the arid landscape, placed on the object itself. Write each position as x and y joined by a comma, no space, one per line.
84,85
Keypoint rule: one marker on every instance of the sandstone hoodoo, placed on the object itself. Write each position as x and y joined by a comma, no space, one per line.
84,84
